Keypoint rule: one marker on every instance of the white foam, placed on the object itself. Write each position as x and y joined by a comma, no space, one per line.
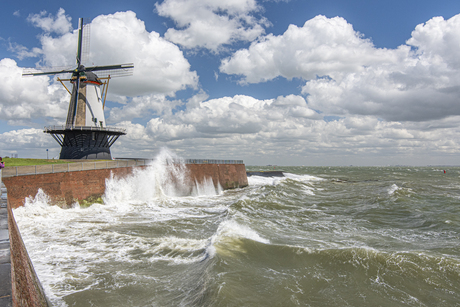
262,181
206,188
309,191
393,189
302,178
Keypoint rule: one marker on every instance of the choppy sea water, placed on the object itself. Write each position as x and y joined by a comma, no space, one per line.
321,236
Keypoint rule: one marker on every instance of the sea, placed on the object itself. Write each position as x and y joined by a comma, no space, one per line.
319,236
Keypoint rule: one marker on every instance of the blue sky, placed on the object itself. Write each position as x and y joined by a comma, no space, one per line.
270,82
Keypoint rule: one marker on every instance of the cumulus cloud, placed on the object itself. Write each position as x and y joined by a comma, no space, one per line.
261,131
212,23
323,46
29,98
160,66
346,74
143,106
60,24
30,143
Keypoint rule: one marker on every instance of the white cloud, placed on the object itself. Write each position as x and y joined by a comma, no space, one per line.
261,131
160,67
143,106
28,143
346,74
212,23
60,24
323,46
31,97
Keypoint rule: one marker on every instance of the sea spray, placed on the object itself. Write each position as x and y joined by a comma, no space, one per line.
167,176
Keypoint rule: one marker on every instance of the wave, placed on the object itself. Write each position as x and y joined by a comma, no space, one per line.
228,237
166,177
396,190
323,277
257,181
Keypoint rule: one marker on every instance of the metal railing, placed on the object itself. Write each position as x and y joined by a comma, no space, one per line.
209,161
13,171
84,128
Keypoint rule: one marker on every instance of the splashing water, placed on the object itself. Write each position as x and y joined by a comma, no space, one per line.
167,176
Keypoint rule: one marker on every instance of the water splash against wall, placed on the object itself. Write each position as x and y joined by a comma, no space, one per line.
167,176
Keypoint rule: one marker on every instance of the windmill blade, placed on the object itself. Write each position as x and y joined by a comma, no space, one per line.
85,40
73,105
80,40
112,70
47,71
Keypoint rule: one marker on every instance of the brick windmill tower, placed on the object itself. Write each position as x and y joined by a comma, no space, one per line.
85,134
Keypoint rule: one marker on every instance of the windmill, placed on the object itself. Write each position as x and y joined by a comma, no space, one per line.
85,134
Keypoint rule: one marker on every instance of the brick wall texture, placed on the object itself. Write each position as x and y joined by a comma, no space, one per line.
66,188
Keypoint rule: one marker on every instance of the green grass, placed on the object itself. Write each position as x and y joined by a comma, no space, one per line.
22,162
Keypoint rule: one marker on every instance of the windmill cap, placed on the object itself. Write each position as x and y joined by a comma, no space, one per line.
92,77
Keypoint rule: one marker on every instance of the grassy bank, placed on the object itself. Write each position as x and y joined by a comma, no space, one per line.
21,162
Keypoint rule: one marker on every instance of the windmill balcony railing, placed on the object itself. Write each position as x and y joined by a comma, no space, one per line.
84,128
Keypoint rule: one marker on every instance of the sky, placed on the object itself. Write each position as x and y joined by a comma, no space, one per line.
270,82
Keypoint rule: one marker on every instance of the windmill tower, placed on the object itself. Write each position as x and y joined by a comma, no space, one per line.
85,134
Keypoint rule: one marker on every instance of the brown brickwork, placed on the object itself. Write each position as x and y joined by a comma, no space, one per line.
230,176
63,188
66,188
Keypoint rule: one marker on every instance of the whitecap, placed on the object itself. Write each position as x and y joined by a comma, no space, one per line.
393,189
227,232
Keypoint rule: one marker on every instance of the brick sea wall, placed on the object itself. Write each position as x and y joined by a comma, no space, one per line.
230,176
62,188
65,188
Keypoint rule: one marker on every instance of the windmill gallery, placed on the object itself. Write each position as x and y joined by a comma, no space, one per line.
85,134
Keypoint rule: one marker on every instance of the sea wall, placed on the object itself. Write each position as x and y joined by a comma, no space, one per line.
26,289
65,188
229,176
